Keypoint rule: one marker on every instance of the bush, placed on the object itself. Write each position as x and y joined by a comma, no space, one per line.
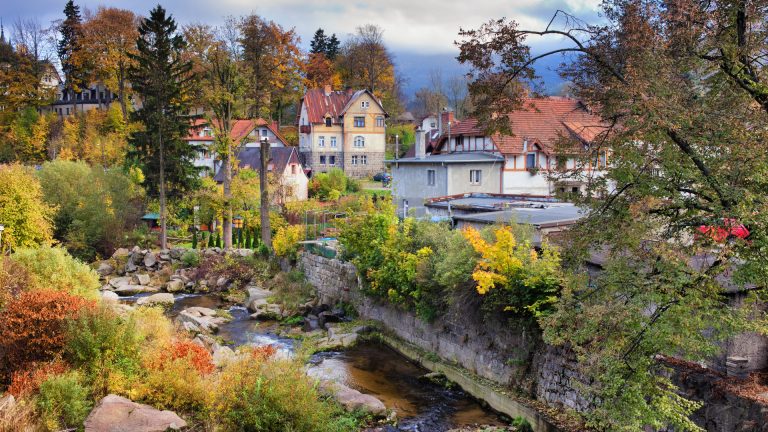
27,219
286,241
94,207
258,394
14,278
35,327
191,258
52,268
64,402
105,346
331,185
26,382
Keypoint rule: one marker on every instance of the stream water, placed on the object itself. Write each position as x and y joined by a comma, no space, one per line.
370,368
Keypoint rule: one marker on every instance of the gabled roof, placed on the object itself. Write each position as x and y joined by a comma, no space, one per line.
250,157
241,128
320,104
541,121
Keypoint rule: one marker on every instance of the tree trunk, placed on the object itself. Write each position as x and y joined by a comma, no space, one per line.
227,219
266,232
163,209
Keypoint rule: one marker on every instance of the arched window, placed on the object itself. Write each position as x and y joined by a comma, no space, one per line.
359,141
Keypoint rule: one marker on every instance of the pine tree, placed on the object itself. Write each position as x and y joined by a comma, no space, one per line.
68,49
218,240
210,240
161,79
194,239
248,243
240,238
319,43
332,47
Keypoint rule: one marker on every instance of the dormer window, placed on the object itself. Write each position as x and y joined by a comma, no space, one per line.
328,122
365,104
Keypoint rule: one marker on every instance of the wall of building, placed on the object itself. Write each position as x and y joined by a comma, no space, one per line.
409,183
523,182
458,178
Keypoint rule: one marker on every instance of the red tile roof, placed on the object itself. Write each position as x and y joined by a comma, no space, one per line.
541,120
333,104
240,129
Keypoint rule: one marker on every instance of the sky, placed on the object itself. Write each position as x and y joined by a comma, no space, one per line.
420,33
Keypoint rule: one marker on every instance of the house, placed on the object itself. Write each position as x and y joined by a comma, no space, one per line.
251,132
94,96
343,129
291,180
549,134
417,178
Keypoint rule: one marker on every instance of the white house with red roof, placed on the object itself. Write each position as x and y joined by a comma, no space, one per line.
342,129
249,133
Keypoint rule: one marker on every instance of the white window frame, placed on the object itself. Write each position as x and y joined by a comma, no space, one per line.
363,160
321,141
475,177
355,119
365,104
359,141
380,121
333,141
431,175
354,159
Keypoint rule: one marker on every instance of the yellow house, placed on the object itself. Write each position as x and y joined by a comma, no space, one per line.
342,129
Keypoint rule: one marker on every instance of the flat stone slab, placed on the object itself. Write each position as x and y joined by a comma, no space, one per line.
163,299
118,414
129,290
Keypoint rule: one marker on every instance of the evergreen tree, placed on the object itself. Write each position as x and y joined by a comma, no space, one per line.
319,43
248,243
194,239
210,240
240,238
332,47
161,79
68,49
218,240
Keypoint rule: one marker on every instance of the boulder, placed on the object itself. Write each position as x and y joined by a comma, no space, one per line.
120,281
337,342
256,296
142,278
110,297
267,312
105,269
115,413
221,282
150,259
160,299
129,290
121,253
174,285
130,266
177,253
203,318
353,400
223,355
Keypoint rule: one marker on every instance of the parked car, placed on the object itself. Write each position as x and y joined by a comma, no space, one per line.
382,177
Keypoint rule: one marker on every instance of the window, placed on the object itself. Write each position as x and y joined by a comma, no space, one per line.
331,160
359,141
101,95
322,160
354,160
359,121
603,160
380,121
363,160
333,141
263,132
430,177
365,104
294,169
321,141
530,160
433,125
328,122
475,177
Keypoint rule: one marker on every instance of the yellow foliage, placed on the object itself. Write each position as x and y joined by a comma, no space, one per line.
26,217
286,241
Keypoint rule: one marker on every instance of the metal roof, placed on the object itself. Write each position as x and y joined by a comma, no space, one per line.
545,216
466,157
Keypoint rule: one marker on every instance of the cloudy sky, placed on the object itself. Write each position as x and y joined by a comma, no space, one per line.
420,33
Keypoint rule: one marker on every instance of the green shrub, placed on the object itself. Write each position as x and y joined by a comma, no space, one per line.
52,268
64,402
105,346
24,214
191,258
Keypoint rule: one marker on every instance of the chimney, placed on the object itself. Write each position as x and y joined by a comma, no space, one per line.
327,89
421,145
349,90
447,117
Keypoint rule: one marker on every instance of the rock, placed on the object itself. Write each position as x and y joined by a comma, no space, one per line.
121,253
120,281
223,355
150,259
129,290
310,323
221,282
142,278
337,342
206,342
105,269
115,413
165,257
353,400
254,295
7,402
161,299
110,297
191,327
177,253
267,312
203,318
174,285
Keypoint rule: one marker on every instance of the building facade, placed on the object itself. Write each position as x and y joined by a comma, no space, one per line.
342,129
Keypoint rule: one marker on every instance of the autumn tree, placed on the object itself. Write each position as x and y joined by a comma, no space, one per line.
27,219
272,62
69,50
160,78
320,71
110,37
681,88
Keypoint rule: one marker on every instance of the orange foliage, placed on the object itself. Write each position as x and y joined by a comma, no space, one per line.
27,381
263,352
34,326
198,356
